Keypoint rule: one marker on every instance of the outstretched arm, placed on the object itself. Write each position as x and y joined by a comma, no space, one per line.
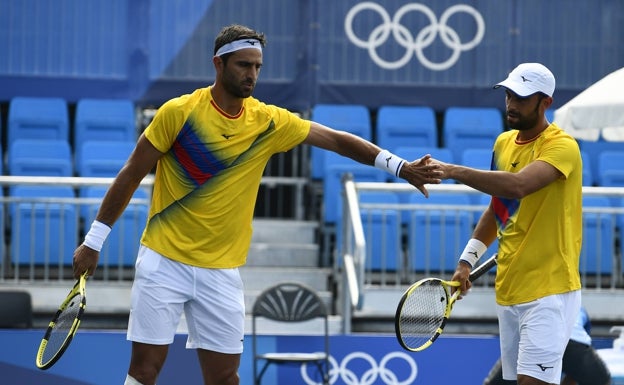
503,184
418,173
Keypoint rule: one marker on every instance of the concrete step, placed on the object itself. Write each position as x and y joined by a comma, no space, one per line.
114,298
284,231
283,254
258,278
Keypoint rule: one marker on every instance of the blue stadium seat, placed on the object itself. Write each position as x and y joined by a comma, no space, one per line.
3,228
332,186
382,231
406,126
479,158
103,120
122,244
37,118
619,223
471,127
593,150
43,232
103,158
1,148
437,237
34,157
611,168
588,177
346,117
598,249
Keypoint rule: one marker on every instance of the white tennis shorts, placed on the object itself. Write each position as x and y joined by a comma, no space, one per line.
533,335
211,299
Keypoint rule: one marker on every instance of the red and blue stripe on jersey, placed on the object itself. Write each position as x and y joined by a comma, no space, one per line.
195,158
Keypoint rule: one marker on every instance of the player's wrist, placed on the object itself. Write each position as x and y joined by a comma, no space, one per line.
472,252
94,239
389,162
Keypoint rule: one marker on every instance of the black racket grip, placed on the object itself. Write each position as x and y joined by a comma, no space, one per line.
483,268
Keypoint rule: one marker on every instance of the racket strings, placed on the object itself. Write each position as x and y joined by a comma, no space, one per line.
423,313
62,328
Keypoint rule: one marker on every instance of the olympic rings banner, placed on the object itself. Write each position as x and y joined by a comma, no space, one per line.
102,357
392,28
371,52
379,360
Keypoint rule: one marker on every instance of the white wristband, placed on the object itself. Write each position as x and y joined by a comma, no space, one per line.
389,162
96,236
473,251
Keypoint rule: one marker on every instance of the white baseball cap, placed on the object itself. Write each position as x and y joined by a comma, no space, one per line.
529,78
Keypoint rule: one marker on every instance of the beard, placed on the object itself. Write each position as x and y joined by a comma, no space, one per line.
523,122
239,90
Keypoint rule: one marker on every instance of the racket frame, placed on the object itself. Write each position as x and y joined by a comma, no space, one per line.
450,300
79,288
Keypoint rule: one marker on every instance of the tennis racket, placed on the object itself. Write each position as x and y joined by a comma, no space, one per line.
63,326
426,306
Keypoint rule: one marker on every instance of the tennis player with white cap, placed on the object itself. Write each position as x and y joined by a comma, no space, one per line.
536,214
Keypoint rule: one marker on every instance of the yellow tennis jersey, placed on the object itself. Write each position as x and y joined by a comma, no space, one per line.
539,235
206,183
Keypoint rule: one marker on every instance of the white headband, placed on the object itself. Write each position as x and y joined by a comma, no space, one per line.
239,44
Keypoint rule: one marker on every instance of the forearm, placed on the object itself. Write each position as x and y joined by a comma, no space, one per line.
356,148
117,198
497,183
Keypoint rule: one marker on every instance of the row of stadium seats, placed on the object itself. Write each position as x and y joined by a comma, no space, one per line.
105,130
40,142
443,232
38,139
398,126
467,137
40,215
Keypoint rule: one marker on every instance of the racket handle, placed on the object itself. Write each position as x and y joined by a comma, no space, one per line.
483,268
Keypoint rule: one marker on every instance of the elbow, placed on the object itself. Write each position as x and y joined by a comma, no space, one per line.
515,191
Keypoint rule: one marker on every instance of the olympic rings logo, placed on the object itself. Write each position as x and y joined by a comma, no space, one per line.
368,377
380,34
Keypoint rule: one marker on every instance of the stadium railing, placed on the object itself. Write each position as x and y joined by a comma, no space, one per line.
371,289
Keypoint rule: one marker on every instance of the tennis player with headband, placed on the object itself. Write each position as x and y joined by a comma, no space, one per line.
536,214
210,149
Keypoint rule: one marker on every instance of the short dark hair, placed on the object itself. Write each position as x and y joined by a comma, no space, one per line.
236,32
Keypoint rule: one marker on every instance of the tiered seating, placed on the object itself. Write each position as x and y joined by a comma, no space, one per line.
100,120
471,127
1,148
34,157
593,151
104,137
588,177
332,187
351,118
382,229
437,237
611,168
480,158
37,118
406,126
104,158
43,232
598,246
